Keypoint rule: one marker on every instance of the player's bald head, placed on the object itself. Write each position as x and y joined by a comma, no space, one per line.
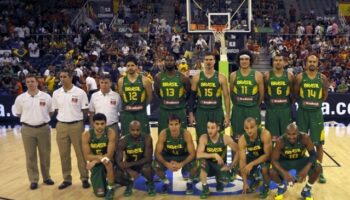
134,123
292,127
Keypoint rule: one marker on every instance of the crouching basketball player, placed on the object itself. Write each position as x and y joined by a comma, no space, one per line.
174,151
289,153
255,146
211,152
98,148
134,157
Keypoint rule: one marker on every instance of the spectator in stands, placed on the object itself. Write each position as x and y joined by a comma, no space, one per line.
343,87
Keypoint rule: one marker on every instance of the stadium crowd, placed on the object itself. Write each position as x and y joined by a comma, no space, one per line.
44,42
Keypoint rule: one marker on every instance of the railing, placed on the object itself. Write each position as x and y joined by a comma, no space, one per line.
82,13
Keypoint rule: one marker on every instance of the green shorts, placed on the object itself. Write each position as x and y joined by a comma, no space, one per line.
204,115
141,116
163,121
277,120
186,168
239,114
261,165
213,169
298,164
311,121
98,179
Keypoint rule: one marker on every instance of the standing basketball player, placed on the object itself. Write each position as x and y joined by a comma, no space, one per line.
136,91
311,89
279,87
172,88
71,104
34,109
209,85
247,93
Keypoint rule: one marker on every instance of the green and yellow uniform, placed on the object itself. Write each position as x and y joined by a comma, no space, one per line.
245,98
293,156
134,105
210,165
209,105
175,149
173,100
134,150
98,146
309,114
278,112
255,149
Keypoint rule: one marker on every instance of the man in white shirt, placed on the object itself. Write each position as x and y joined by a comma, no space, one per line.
107,102
34,51
71,104
34,109
91,84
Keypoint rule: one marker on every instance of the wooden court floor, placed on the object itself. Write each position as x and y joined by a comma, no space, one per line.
14,181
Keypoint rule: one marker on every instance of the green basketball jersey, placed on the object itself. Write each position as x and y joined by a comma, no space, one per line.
310,92
245,91
256,148
209,91
175,146
99,145
134,149
134,94
278,91
172,91
219,147
292,151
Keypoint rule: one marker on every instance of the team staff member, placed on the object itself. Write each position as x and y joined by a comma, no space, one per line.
311,89
172,87
210,86
107,102
71,104
34,109
247,93
136,92
98,148
279,92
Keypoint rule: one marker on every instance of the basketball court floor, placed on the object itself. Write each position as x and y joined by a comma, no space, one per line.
14,182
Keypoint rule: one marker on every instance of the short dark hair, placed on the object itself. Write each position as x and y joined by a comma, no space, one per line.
68,71
278,55
99,117
209,53
174,117
246,52
31,76
218,124
131,59
105,76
